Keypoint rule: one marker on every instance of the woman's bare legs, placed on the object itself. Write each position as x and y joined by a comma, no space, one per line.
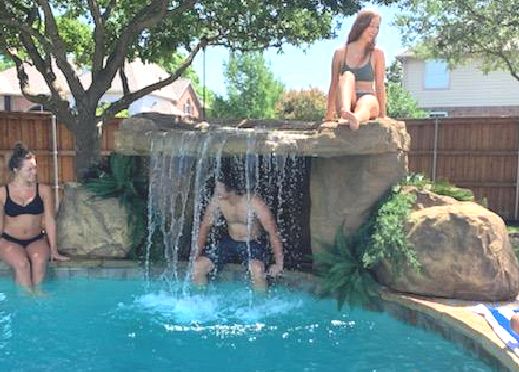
16,257
366,108
345,93
39,253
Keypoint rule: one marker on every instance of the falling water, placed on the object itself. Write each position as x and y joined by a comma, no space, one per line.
182,178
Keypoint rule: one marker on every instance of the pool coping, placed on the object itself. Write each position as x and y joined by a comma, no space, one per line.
453,319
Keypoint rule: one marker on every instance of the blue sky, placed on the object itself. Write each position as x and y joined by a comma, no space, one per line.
297,68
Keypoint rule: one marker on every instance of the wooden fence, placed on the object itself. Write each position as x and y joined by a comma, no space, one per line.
35,131
477,153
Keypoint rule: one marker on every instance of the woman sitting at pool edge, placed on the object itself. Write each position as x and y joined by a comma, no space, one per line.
357,92
25,207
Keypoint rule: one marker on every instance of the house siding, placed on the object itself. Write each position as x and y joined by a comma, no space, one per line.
468,88
196,109
18,103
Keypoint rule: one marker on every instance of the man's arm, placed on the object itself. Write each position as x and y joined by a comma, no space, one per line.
205,226
269,225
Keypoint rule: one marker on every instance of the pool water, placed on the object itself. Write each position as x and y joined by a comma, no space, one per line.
118,325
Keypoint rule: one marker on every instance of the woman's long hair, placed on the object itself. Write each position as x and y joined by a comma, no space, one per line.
364,18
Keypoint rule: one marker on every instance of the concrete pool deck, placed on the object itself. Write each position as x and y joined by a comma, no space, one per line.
453,319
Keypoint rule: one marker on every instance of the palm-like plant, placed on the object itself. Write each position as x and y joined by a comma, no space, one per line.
343,273
124,182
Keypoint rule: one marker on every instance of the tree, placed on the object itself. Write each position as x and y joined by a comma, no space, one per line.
252,89
304,104
104,34
5,63
458,30
400,103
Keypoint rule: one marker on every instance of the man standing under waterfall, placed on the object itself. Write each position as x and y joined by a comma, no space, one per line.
246,217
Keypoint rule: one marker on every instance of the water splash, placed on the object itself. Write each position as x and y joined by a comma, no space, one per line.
221,307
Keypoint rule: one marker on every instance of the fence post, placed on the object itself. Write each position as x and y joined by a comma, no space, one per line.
435,150
55,162
517,175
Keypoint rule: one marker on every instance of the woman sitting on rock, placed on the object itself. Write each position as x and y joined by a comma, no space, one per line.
25,208
357,92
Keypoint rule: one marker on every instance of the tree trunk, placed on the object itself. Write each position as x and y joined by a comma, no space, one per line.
87,143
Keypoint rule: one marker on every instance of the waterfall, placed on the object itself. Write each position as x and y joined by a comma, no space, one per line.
183,171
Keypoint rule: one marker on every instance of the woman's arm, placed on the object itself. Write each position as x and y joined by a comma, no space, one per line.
380,71
331,109
50,222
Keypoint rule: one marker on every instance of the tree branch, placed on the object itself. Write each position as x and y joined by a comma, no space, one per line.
148,17
124,80
59,106
501,55
58,50
108,10
509,64
23,80
29,31
98,36
125,101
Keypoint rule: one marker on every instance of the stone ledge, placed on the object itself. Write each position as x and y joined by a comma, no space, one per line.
454,321
280,137
130,269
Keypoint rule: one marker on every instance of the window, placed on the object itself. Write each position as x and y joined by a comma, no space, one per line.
7,103
187,107
436,75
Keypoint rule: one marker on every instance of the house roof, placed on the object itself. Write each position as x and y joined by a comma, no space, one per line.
9,84
406,53
139,75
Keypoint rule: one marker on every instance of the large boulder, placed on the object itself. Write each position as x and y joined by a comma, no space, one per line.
464,251
89,226
345,188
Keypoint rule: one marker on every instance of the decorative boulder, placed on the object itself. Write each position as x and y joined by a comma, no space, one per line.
89,226
464,251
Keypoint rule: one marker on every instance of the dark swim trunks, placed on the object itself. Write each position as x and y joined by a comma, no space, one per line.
228,250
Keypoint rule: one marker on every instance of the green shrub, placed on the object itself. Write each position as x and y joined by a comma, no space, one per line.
123,180
388,239
438,187
345,266
343,273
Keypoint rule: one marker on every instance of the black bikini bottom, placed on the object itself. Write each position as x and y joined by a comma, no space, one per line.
23,242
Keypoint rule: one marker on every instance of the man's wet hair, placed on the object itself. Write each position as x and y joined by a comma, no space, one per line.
232,175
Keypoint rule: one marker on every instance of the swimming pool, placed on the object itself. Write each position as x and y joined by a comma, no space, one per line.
89,324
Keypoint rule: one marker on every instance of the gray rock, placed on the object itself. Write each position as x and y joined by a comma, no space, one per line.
465,254
89,226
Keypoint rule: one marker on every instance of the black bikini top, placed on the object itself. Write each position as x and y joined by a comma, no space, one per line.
12,209
362,73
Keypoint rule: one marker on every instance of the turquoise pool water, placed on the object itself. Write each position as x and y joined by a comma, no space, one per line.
122,325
